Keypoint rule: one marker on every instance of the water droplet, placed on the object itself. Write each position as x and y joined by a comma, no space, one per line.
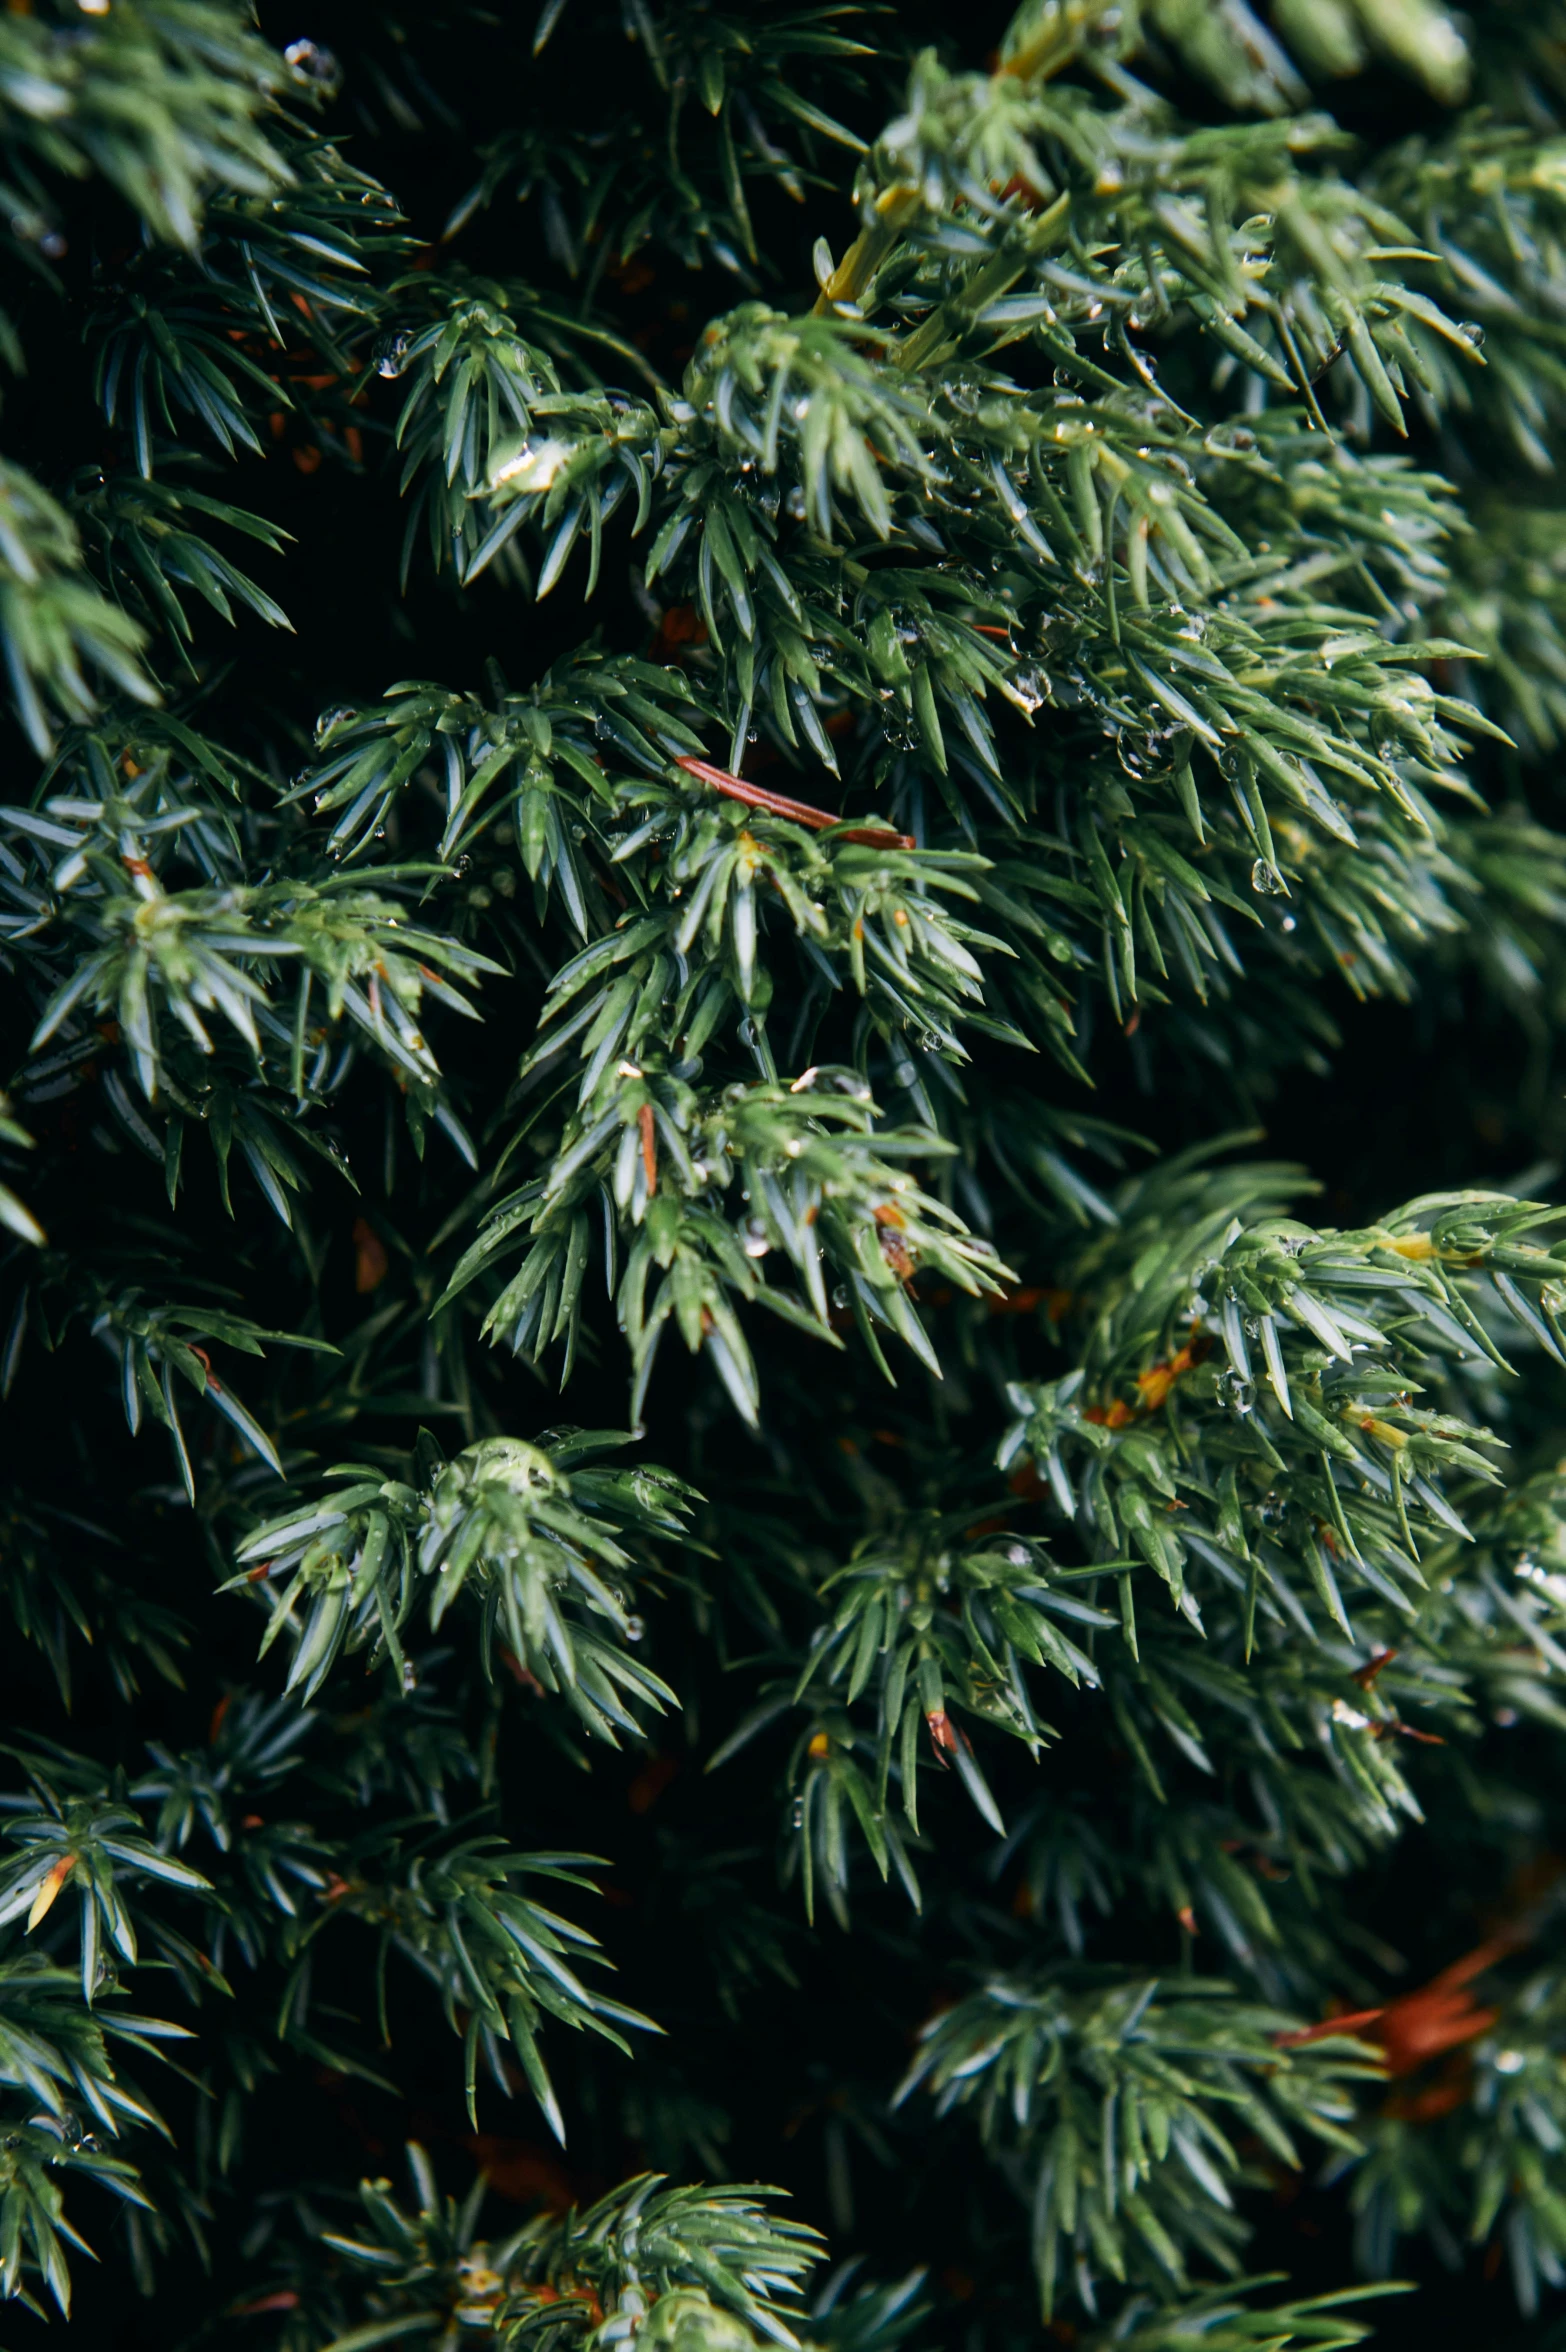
1472,333
410,1679
314,68
533,467
756,1242
330,721
1288,924
1031,687
391,353
1266,880
1136,753
635,1627
799,1813
1236,1392
839,1296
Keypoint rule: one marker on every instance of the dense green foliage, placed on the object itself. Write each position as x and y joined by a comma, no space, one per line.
715,709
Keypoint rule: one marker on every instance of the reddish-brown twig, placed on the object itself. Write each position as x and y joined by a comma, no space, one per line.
1422,2024
798,812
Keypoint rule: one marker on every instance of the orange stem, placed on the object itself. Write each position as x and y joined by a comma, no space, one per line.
799,812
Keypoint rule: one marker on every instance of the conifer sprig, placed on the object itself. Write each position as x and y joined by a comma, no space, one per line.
875,781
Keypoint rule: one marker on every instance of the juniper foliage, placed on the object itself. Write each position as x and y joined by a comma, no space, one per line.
784,1340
